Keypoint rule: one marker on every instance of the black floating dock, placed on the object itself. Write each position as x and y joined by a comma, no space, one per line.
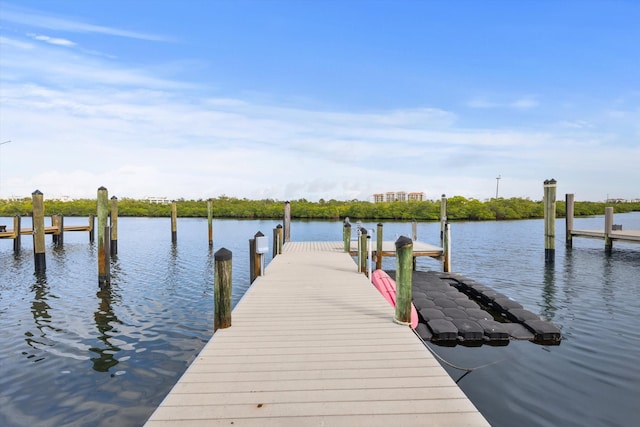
454,309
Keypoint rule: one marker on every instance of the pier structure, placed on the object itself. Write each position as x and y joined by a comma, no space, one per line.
610,232
313,343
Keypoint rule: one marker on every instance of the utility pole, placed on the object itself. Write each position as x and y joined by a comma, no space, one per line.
497,184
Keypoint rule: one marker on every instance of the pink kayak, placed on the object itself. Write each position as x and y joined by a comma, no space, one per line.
387,287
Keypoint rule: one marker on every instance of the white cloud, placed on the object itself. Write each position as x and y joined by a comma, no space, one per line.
51,40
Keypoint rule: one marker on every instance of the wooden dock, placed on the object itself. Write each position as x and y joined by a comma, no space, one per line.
623,236
312,342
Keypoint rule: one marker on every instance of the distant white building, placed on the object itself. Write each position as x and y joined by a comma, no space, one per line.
159,200
398,196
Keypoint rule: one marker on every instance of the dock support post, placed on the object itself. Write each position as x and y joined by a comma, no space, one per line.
443,218
174,222
414,229
362,251
222,289
210,221
103,238
58,237
287,222
255,258
92,227
608,227
38,231
346,235
17,239
549,220
113,222
569,212
446,249
404,261
379,246
277,240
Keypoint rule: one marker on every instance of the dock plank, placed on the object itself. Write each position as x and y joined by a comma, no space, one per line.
313,343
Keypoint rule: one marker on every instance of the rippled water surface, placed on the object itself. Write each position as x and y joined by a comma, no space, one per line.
74,355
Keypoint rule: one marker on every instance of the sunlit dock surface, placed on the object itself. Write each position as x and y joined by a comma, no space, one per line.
312,342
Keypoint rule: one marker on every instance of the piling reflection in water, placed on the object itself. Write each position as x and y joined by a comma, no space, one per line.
549,292
41,317
106,323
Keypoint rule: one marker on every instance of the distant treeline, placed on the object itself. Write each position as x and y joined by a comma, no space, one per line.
458,208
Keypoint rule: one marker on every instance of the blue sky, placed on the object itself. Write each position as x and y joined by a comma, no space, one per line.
319,99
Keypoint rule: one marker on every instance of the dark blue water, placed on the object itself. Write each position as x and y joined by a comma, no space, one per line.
72,355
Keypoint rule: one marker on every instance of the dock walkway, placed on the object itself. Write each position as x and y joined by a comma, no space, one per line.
312,342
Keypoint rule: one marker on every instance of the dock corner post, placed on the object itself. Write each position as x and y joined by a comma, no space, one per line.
569,213
60,239
414,229
404,276
174,222
608,227
113,222
379,246
346,236
280,238
549,221
446,248
287,222
222,289
92,228
103,238
443,217
17,239
38,231
210,221
255,258
362,256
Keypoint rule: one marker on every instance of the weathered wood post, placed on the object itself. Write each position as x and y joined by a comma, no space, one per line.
174,222
287,222
446,249
569,212
277,240
404,273
255,258
363,250
103,238
443,218
346,235
608,227
414,229
210,221
113,222
57,237
37,199
379,246
17,240
549,220
222,289
92,227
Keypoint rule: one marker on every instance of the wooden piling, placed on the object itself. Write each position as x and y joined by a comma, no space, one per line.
379,246
569,213
57,221
287,222
362,255
608,227
17,240
549,220
446,249
38,231
103,238
113,222
277,240
255,258
414,229
346,236
404,261
210,221
443,218
222,289
174,222
92,227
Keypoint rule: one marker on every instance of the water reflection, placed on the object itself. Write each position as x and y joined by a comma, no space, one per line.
549,292
40,310
106,321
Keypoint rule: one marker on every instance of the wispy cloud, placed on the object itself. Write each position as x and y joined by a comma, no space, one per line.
51,40
522,103
35,19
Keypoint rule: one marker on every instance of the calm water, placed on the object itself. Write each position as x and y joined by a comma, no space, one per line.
72,355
